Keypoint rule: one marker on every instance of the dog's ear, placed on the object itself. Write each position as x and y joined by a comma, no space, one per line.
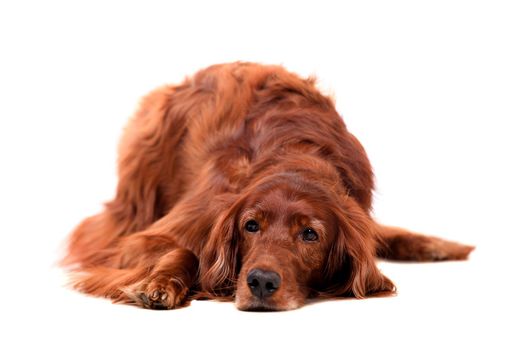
219,257
351,267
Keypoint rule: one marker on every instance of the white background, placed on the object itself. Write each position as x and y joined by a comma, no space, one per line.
435,90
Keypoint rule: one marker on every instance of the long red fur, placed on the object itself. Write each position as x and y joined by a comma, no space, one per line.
188,162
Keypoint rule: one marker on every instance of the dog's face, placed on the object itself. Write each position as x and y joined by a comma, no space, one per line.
285,240
281,243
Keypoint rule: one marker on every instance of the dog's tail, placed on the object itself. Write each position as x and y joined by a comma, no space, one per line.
400,244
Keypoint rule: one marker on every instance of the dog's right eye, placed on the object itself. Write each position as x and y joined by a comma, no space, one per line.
252,226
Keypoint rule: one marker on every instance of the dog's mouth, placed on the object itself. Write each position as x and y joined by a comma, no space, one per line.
267,289
266,304
258,305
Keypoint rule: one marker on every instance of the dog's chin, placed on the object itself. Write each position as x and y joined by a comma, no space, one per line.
256,304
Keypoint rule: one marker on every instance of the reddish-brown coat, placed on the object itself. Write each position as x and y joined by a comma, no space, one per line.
236,142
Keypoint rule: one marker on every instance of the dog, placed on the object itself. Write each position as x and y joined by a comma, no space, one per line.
241,183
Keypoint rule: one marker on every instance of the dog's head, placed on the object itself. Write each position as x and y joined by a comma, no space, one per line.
285,240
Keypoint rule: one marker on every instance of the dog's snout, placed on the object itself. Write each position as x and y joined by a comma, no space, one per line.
263,283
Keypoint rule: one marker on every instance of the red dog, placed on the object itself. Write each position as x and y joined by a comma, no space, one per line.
241,182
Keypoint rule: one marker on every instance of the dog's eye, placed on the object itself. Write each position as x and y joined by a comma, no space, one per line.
309,235
252,226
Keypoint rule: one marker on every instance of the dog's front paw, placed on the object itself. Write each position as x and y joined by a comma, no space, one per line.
162,293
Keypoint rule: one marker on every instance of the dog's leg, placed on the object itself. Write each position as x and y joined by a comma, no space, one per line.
154,268
400,244
163,285
168,284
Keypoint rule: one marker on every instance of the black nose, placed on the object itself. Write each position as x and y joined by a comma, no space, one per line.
263,283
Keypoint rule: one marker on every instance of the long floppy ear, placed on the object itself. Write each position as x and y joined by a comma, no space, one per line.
219,257
351,265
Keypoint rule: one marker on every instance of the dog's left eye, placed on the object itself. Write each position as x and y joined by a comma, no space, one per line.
309,235
252,226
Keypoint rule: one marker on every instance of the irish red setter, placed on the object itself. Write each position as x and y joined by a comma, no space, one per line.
242,182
